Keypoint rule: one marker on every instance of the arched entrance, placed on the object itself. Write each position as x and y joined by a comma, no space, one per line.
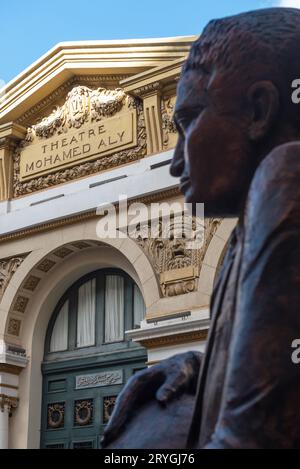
87,358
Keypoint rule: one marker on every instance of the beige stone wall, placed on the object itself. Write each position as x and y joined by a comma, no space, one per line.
89,255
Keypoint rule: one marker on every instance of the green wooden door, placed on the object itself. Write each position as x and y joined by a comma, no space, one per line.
80,384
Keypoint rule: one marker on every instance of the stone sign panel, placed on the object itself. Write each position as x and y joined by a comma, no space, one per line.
95,380
75,146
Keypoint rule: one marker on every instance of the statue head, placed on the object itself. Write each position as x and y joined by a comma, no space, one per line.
234,105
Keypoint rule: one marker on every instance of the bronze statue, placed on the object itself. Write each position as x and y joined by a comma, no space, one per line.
239,153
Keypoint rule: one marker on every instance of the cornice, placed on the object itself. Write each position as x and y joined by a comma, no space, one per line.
62,90
156,197
174,339
12,130
65,60
163,74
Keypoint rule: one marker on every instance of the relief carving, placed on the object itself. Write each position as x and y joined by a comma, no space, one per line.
82,106
168,124
7,269
176,266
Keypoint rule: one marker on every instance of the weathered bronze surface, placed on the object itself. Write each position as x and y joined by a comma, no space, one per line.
238,152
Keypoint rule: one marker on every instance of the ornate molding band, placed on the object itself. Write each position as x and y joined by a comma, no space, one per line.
175,339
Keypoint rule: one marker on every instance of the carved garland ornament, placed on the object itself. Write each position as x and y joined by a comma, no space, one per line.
56,415
83,105
83,412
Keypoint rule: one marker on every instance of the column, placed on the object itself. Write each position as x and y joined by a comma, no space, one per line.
12,361
10,135
6,405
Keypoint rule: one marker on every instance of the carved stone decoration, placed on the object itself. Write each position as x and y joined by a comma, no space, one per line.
21,304
14,327
8,403
63,252
168,124
31,283
7,269
56,415
46,265
108,407
83,412
106,378
82,106
176,266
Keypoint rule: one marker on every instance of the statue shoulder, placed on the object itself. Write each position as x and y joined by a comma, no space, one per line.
273,202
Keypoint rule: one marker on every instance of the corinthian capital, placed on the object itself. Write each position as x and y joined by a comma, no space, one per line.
7,403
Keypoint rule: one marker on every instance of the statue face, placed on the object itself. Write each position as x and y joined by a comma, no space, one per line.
213,157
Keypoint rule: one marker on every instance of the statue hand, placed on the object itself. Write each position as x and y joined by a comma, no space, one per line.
164,381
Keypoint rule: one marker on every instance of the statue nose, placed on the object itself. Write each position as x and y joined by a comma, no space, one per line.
178,163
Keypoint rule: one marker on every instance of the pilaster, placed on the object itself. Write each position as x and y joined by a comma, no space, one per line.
10,135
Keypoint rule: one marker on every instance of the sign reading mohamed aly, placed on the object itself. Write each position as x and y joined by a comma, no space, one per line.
79,145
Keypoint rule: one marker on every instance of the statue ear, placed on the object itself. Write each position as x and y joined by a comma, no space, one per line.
263,100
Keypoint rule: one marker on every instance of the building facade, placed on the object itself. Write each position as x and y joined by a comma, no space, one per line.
81,313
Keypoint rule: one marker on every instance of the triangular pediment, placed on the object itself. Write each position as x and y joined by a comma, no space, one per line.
46,82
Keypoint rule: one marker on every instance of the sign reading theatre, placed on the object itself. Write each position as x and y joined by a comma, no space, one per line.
77,146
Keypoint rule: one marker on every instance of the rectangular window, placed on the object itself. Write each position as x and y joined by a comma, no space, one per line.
114,308
86,314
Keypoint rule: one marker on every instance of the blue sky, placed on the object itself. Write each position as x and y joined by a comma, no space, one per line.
30,28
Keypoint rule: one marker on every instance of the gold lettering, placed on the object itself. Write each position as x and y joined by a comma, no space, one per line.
64,142
91,132
101,129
